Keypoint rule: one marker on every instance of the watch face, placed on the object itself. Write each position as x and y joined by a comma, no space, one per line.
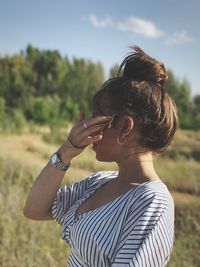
54,159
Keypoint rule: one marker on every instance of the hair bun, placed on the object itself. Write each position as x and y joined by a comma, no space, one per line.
141,67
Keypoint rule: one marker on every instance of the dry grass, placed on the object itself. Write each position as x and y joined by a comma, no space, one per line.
38,244
30,150
184,199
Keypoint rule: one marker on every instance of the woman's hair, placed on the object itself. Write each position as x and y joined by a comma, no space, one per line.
139,92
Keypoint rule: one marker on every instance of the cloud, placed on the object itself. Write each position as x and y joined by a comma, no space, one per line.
133,25
140,27
179,38
104,23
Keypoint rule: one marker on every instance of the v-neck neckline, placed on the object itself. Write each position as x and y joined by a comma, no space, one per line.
91,193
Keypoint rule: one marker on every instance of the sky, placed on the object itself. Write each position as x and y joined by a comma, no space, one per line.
104,30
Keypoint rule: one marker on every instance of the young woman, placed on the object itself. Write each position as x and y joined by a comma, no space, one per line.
122,218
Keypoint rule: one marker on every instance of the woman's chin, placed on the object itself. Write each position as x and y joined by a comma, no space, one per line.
97,155
100,155
102,158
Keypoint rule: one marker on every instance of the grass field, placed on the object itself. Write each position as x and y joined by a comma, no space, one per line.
21,159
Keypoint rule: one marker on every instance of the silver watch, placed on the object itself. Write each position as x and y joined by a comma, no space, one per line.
55,161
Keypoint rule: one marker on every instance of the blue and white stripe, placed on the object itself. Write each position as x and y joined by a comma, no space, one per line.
134,230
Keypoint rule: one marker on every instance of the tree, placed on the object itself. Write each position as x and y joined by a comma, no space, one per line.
68,109
83,78
196,113
46,67
95,73
45,109
16,83
114,71
180,91
196,103
2,109
44,86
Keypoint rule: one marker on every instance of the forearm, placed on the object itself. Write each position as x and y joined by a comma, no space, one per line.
43,192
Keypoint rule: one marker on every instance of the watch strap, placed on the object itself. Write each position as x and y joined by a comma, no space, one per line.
59,164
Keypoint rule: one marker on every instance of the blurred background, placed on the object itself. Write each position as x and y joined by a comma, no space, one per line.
54,55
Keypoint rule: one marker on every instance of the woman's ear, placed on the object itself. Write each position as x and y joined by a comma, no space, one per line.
126,125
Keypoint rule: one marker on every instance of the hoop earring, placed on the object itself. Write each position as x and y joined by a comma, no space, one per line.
121,140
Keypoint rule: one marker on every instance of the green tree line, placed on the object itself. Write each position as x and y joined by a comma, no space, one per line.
44,87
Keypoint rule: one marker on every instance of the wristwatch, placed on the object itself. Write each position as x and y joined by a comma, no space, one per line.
56,162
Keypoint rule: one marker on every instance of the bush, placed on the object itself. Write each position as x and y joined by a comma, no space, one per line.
196,121
2,113
69,110
14,122
19,121
2,108
44,109
55,136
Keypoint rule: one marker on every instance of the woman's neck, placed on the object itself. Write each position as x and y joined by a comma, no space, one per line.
137,168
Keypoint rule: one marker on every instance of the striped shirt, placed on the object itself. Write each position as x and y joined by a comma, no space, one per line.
136,229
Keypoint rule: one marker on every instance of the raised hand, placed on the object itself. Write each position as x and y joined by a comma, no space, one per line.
84,133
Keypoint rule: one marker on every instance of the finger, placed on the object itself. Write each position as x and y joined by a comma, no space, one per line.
97,138
98,120
92,130
94,139
81,116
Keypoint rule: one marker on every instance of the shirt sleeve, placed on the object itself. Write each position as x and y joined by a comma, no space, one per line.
67,195
147,238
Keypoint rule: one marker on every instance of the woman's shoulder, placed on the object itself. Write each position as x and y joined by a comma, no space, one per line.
155,191
151,199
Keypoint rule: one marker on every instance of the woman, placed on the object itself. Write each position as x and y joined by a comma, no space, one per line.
123,218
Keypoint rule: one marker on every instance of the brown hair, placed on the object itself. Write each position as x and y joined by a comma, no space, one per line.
140,93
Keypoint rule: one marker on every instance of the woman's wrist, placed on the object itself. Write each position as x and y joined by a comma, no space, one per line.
67,152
